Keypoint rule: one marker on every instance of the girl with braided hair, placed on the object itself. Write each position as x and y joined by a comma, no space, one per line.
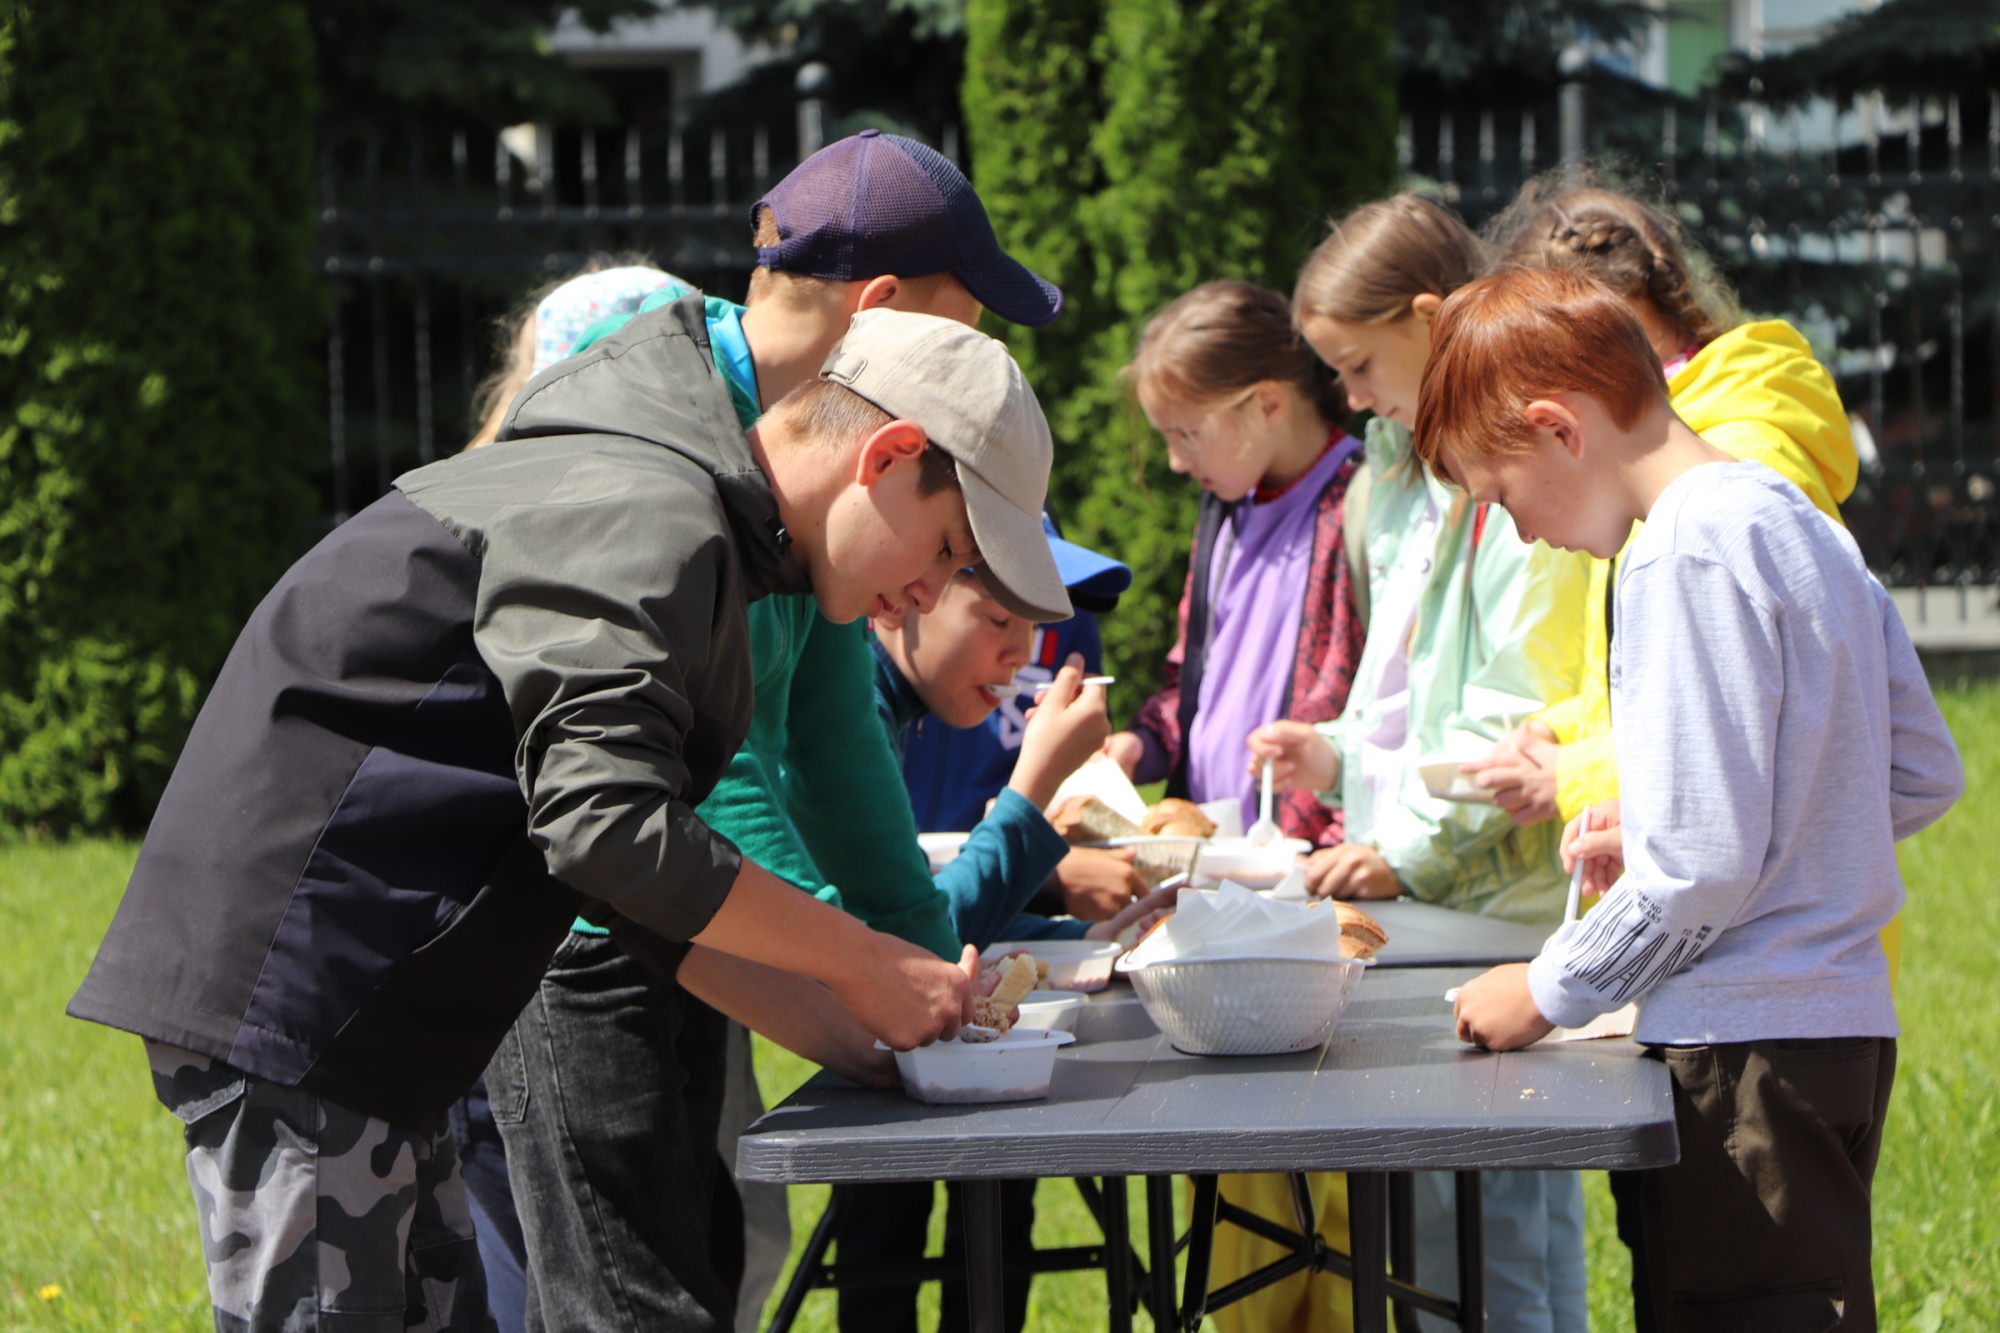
1751,388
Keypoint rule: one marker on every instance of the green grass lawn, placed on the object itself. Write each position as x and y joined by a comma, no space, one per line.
97,1229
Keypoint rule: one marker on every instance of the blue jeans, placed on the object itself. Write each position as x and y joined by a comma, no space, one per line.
1534,1249
608,1092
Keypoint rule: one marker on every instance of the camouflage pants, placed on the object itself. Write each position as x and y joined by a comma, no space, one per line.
318,1219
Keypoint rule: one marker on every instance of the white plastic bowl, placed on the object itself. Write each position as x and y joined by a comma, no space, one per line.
1054,1010
1445,783
1016,1068
940,848
1247,1006
1083,965
1246,863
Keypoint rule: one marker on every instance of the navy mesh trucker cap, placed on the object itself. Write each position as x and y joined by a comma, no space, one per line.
878,203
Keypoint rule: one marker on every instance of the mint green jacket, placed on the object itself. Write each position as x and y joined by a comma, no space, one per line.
1498,635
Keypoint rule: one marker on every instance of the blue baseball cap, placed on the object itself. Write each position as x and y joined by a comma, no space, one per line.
1094,581
876,203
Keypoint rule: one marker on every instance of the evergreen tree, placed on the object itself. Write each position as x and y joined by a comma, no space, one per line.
156,364
1130,149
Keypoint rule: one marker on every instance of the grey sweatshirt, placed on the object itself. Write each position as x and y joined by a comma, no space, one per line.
1775,738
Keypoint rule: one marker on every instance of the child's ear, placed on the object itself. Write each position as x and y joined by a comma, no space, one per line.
878,291
889,444
1425,305
1270,399
1555,419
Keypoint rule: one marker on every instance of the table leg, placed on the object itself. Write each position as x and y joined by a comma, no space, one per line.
1403,1245
1201,1245
803,1272
983,1287
1118,1254
1369,1249
1471,1254
1160,1245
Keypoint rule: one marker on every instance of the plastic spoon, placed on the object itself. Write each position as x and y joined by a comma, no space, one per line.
1266,829
1086,681
1576,878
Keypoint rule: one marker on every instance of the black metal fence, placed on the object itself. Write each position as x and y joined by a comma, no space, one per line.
428,241
1875,229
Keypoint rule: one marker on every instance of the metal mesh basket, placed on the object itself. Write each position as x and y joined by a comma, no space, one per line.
1247,1006
1160,857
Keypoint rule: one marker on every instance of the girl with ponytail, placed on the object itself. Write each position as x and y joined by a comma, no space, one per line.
1469,630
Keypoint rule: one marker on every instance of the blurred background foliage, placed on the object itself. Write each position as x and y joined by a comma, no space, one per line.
1128,150
156,218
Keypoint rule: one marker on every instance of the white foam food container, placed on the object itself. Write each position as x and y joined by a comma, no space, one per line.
1053,1010
1015,1068
1445,783
1081,965
1252,865
940,848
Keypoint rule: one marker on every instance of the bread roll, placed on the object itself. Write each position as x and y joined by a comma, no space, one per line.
1176,818
1019,974
1085,819
1360,934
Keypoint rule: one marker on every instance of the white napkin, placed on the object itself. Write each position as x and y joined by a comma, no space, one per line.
1101,777
1227,814
1232,921
1292,888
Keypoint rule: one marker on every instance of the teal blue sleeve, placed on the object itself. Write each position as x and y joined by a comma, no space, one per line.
1008,856
1028,926
846,794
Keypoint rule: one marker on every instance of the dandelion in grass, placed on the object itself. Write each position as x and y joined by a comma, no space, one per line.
49,1292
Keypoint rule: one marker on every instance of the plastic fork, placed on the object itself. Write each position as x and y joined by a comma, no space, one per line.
1266,829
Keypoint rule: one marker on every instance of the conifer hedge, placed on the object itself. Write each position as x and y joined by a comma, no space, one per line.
156,377
1128,150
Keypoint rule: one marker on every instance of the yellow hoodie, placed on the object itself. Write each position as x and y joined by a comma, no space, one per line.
1755,392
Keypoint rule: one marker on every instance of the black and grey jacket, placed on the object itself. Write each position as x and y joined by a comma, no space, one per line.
497,692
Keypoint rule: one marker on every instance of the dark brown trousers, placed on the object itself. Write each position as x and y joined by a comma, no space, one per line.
1763,1226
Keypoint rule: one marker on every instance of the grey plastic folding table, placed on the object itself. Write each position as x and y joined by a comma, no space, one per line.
1393,1091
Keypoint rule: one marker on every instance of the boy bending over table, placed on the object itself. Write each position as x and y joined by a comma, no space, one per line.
492,698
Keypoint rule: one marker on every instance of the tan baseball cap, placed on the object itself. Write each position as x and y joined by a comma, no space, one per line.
973,402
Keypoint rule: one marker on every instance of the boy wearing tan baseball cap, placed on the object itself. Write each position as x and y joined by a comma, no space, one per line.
937,383
497,695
